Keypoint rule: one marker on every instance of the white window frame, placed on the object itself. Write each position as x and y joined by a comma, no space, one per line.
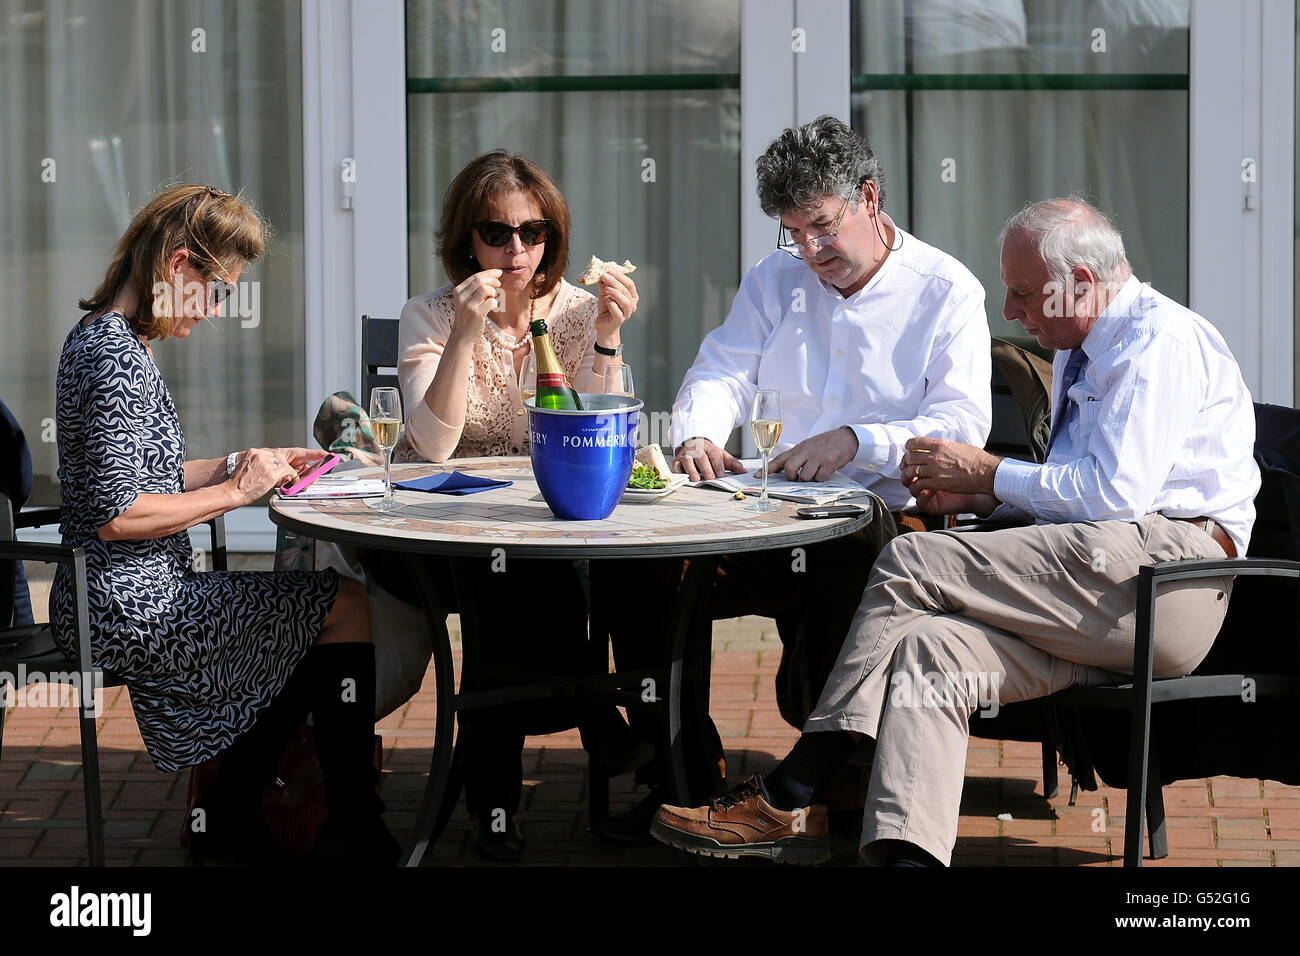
780,87
1240,261
354,233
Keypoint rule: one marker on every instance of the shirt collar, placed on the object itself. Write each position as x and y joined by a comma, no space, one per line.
1113,319
885,269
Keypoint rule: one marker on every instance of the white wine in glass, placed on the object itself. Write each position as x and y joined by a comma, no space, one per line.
766,435
386,430
765,426
386,423
529,387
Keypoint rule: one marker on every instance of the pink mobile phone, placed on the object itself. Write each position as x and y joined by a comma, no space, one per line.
326,463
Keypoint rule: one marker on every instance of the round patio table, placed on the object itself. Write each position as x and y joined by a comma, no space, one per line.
515,522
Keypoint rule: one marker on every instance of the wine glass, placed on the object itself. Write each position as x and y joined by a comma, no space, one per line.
529,387
618,381
765,425
386,421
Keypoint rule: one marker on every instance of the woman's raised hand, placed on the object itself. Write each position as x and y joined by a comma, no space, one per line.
475,298
617,302
259,470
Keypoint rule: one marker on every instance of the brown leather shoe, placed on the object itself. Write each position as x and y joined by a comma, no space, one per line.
742,823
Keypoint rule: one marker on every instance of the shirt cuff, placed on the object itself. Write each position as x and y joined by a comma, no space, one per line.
429,435
875,449
1013,482
695,428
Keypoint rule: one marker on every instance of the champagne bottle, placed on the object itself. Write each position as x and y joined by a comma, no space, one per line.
553,388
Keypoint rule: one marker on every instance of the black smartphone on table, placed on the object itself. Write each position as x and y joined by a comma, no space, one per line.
830,511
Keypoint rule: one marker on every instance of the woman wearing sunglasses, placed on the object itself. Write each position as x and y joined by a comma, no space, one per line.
504,241
219,662
463,349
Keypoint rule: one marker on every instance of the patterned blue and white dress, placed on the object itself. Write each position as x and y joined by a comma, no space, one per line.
203,653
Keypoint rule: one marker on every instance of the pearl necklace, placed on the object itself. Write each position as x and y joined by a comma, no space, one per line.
514,345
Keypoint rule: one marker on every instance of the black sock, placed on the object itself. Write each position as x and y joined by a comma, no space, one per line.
902,853
808,767
250,761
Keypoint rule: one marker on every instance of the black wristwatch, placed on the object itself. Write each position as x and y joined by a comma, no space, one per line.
616,350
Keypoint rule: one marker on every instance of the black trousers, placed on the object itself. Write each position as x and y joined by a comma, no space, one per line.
812,593
532,623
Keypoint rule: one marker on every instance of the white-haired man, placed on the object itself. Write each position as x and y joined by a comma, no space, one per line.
1150,460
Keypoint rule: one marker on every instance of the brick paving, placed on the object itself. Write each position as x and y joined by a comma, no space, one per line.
1221,821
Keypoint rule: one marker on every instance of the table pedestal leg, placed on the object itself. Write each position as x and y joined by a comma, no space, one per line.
442,790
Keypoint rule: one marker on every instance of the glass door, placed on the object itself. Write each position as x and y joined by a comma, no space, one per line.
105,103
979,107
633,107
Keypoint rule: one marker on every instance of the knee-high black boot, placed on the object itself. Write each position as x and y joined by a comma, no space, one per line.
226,821
343,707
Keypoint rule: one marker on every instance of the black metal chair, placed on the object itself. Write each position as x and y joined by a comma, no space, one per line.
1267,649
378,351
32,649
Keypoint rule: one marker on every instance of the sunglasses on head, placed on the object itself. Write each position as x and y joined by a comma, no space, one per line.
495,233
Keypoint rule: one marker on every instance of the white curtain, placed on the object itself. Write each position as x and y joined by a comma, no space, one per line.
681,229
968,159
111,100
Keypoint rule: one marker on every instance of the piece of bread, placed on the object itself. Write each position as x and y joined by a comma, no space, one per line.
652,456
598,267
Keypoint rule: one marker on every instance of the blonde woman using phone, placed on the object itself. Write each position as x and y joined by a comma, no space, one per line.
217,662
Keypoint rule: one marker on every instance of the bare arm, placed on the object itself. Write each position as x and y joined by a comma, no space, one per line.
475,298
204,472
156,516
615,305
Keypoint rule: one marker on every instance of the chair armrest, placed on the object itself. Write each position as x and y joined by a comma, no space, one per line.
1152,577
32,551
37,517
37,551
1168,571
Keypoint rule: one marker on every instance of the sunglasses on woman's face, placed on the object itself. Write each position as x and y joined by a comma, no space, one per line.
532,232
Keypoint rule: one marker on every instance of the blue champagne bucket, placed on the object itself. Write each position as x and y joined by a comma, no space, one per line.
582,460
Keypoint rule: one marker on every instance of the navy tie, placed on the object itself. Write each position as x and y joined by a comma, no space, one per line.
1073,369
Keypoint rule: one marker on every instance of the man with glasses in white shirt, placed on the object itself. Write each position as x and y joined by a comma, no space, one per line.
872,338
1150,460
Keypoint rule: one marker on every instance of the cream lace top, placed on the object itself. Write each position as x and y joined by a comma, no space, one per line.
495,421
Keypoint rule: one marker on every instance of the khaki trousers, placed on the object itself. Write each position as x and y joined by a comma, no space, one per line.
957,621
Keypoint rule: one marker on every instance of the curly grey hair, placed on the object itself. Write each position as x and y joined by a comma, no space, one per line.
806,164
1071,232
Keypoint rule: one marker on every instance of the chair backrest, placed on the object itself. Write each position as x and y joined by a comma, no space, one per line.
378,351
8,569
1021,386
1277,505
1262,629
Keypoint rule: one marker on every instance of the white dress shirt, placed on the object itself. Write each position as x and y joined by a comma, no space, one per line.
1162,421
906,355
